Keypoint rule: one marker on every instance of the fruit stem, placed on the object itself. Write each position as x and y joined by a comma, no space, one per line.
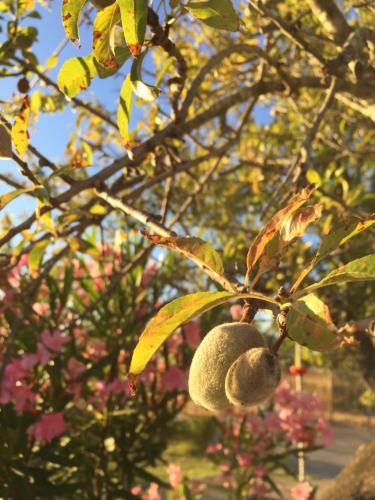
281,323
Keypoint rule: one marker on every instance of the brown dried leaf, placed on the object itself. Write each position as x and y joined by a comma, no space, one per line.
268,232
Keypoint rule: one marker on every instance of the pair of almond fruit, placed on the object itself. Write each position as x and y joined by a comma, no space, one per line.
233,366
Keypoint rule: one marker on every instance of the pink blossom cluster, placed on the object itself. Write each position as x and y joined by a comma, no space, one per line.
18,377
250,446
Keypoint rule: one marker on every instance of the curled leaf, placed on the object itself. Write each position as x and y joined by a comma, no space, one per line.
105,21
268,232
143,90
70,11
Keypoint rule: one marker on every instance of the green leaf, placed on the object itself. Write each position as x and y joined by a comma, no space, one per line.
218,14
134,21
143,90
168,319
20,135
124,110
309,323
362,269
35,257
76,74
5,143
173,315
70,12
8,197
341,233
105,21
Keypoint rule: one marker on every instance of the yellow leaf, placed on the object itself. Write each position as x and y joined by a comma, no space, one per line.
20,135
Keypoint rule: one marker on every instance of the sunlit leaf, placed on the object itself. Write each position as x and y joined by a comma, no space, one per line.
218,14
8,197
191,247
339,235
105,21
124,110
143,90
169,318
295,225
20,135
292,228
36,256
343,232
51,61
134,21
268,232
5,143
70,12
76,74
362,269
309,323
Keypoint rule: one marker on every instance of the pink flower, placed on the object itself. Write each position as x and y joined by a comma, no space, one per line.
175,378
74,369
47,427
24,398
214,448
136,490
54,341
260,471
243,459
236,312
42,354
152,493
175,475
301,491
192,333
272,422
41,308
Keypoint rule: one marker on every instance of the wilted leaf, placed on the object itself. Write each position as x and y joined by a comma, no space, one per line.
196,250
105,21
295,225
134,21
5,143
35,257
20,135
76,74
362,269
70,12
218,14
340,234
292,228
268,232
143,90
309,323
124,110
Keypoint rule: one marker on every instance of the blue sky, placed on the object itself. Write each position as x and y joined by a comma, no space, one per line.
52,132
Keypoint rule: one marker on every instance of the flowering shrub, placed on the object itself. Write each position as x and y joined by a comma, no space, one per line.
250,448
69,425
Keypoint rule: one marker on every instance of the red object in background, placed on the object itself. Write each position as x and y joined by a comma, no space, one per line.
297,370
